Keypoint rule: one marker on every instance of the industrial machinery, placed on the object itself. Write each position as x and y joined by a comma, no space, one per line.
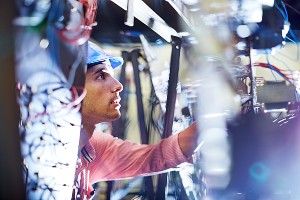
233,67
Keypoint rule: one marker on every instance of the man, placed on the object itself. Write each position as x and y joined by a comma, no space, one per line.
103,157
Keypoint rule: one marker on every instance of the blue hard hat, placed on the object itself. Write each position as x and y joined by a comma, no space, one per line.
96,55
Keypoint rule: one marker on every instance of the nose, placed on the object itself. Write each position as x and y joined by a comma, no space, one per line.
118,86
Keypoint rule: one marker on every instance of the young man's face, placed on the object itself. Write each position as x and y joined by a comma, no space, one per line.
102,101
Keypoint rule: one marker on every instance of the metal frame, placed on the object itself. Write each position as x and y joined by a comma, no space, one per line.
147,16
170,107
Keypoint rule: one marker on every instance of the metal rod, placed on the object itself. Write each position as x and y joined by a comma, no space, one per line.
146,15
129,14
139,97
170,107
135,54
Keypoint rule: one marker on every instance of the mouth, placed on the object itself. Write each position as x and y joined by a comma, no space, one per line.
116,101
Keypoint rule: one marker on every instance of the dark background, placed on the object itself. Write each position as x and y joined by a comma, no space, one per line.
110,19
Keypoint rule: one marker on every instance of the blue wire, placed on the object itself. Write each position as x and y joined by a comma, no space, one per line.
287,15
286,18
281,11
290,39
271,67
288,68
291,32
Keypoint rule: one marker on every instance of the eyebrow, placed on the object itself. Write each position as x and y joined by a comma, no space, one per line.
97,71
103,70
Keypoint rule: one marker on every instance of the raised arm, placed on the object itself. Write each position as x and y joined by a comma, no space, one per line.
117,159
188,140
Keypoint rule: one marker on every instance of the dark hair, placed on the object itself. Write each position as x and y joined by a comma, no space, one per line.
89,65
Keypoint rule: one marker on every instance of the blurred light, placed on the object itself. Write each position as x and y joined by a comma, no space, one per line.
251,11
241,46
279,110
208,198
129,13
267,2
212,115
184,34
193,40
159,41
286,28
190,2
246,30
243,31
259,171
44,43
216,151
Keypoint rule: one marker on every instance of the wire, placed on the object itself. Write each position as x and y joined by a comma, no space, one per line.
74,67
270,66
81,33
282,73
73,105
277,117
39,132
288,69
290,39
284,15
291,32
286,19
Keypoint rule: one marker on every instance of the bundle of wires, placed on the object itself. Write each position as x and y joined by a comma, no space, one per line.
79,34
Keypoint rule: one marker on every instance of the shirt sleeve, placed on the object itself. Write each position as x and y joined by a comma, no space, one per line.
118,159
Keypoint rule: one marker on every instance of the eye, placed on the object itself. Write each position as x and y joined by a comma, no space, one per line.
101,76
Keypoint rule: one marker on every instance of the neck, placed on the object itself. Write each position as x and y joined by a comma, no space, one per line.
86,133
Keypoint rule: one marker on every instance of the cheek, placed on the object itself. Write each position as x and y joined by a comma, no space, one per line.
92,105
95,96
98,94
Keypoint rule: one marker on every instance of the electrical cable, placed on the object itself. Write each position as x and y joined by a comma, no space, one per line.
74,105
284,15
273,68
83,29
286,20
288,68
74,67
270,66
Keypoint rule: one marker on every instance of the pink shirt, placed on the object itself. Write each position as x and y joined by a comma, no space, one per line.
109,158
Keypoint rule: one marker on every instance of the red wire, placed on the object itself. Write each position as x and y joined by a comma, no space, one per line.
272,67
85,27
